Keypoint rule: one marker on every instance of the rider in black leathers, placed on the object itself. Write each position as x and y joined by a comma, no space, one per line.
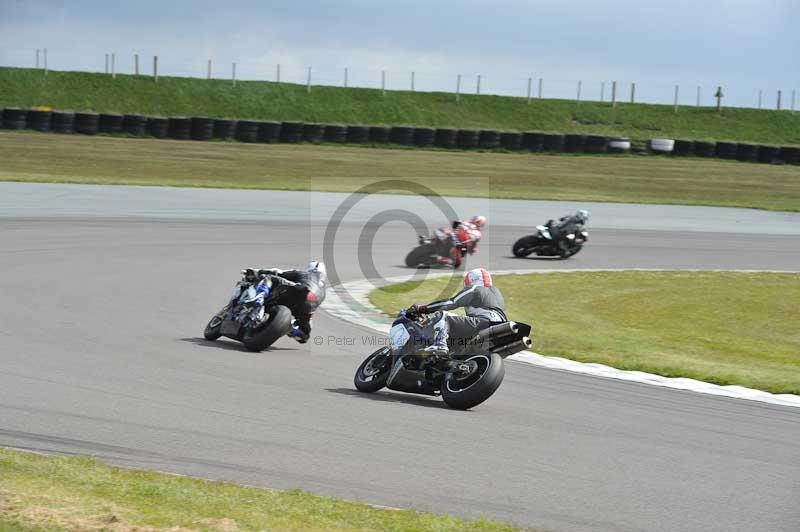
482,302
565,225
304,291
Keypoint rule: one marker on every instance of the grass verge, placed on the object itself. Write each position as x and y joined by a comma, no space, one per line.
719,327
73,493
37,157
173,96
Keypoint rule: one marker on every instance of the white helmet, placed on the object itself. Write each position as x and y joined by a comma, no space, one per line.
478,277
583,215
316,266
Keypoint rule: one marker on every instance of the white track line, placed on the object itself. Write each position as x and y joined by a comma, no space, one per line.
367,315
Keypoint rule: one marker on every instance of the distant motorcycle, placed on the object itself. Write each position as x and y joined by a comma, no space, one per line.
569,242
471,373
253,316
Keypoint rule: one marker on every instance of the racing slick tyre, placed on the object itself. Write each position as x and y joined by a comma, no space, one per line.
524,246
480,378
422,254
212,330
373,373
567,253
279,324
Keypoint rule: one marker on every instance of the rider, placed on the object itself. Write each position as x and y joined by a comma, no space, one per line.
460,234
565,224
307,292
483,304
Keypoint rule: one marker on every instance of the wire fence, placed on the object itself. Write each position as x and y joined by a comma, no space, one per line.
529,87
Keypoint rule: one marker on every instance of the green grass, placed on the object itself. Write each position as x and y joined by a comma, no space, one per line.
725,328
57,493
31,156
282,101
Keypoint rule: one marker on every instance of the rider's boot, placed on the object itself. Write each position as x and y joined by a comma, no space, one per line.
298,334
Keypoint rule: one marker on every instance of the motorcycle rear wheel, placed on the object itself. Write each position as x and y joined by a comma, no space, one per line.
422,254
464,390
279,324
373,373
524,246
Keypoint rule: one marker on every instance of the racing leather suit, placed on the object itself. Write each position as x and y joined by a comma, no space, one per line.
301,291
451,240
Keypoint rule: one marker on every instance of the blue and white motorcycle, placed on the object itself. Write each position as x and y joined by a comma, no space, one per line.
253,316
468,376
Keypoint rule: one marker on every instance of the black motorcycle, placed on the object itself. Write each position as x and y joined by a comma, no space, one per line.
253,316
569,242
468,376
427,253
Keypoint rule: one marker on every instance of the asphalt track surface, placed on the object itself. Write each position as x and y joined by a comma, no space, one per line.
102,354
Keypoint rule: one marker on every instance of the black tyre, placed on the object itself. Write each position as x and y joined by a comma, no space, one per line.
747,152
134,125
335,133
553,142
202,128
279,324
532,141
379,134
357,134
424,136
445,138
726,150
179,128
481,378
110,123
467,139
402,135
247,131
62,122
157,127
422,254
574,143
683,147
704,149
489,139
373,373
313,132
596,144
292,132
510,140
567,253
212,330
87,123
269,132
15,118
524,246
39,120
789,155
768,154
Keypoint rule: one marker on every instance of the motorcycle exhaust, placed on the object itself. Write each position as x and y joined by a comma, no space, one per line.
516,347
496,331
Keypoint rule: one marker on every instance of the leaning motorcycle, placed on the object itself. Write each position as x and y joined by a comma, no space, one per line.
468,376
544,245
253,316
426,254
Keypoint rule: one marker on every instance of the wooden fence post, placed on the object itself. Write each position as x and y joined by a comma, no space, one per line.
155,68
529,90
113,65
613,94
541,82
136,64
458,88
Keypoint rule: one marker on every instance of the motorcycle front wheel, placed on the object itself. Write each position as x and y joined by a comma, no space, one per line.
279,324
212,330
373,373
477,378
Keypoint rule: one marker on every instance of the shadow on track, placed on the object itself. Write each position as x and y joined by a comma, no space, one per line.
390,397
230,345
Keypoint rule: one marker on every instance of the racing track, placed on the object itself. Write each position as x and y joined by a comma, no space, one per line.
102,354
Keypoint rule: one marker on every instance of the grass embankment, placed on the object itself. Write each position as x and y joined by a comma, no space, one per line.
30,156
57,493
725,328
283,101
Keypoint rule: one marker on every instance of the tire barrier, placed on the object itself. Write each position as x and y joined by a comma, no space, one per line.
747,152
489,139
703,148
619,145
157,127
661,145
134,125
553,142
87,123
683,147
596,144
248,131
445,138
201,128
38,120
15,118
379,134
62,122
768,154
224,129
291,132
402,135
335,133
532,141
510,140
574,143
110,123
726,150
789,155
313,132
357,134
268,132
179,128
424,136
467,139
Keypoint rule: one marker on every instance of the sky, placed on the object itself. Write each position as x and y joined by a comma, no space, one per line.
743,45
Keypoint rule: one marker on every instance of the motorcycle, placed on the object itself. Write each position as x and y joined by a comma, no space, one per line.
426,254
253,316
543,243
471,373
